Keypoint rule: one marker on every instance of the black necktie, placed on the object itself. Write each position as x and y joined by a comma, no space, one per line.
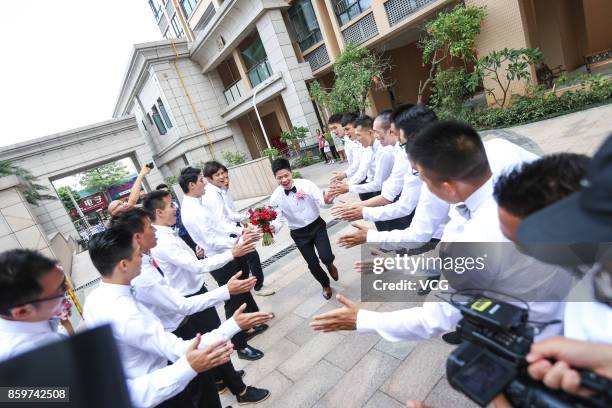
290,190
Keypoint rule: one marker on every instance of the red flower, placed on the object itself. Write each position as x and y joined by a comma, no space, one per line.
254,222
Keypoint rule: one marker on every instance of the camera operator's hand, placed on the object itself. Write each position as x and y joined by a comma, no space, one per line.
344,318
553,361
215,354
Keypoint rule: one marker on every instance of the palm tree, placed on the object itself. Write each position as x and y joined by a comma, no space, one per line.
34,192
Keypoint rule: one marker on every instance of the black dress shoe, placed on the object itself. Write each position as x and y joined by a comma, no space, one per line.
253,396
249,353
260,328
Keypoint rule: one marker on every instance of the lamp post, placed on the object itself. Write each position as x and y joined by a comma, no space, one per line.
255,90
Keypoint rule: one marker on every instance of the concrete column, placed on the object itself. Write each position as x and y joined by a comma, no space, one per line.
334,22
242,70
282,59
326,24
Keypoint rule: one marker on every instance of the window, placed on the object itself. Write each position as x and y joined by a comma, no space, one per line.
156,8
176,26
161,128
305,24
346,10
149,119
164,113
167,33
188,6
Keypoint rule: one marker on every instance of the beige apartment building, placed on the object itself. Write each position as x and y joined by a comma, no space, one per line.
276,48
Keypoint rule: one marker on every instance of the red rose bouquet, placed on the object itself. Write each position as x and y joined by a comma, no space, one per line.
262,217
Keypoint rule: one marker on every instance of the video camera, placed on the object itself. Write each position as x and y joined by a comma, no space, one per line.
496,337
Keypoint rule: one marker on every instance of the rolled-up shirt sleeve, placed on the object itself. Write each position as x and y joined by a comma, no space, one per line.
152,389
417,323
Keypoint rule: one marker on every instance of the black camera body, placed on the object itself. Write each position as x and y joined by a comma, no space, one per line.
490,361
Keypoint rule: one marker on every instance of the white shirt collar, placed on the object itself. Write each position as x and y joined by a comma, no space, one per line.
25,327
116,288
211,187
478,197
187,198
162,229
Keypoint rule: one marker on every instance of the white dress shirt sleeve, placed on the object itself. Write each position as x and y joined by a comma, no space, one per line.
198,225
384,166
392,187
405,205
149,335
355,161
275,202
431,213
214,203
362,169
185,259
152,389
417,323
316,193
171,300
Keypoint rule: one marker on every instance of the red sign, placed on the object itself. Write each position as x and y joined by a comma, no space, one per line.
91,203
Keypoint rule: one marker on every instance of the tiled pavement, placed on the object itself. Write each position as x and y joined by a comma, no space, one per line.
303,368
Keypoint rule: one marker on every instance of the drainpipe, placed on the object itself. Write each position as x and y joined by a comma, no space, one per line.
257,88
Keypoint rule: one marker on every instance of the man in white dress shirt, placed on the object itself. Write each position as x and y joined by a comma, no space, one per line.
297,204
31,293
144,345
394,208
214,200
451,159
215,241
179,314
351,145
382,161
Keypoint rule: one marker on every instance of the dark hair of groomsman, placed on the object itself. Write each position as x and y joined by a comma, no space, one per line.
536,185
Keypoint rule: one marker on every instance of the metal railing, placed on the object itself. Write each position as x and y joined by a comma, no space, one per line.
234,92
260,72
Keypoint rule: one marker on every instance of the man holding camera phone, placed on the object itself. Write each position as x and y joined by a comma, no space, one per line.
116,207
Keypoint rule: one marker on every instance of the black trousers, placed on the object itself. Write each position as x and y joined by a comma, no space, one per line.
397,223
251,263
334,152
323,155
205,321
307,239
222,275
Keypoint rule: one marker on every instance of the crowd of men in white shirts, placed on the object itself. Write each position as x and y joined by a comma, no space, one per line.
424,183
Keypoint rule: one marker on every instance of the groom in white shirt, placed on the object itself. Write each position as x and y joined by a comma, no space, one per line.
297,204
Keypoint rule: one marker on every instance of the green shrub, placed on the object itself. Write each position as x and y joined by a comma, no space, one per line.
172,180
296,175
304,162
233,158
272,153
537,106
451,88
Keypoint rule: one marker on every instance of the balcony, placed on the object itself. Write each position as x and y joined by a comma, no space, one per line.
317,58
361,31
347,10
259,72
234,92
398,10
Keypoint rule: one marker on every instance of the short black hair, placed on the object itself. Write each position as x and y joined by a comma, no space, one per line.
211,167
385,118
415,119
364,121
20,271
188,175
399,110
335,118
533,186
132,220
155,201
162,186
280,164
348,119
450,150
108,248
